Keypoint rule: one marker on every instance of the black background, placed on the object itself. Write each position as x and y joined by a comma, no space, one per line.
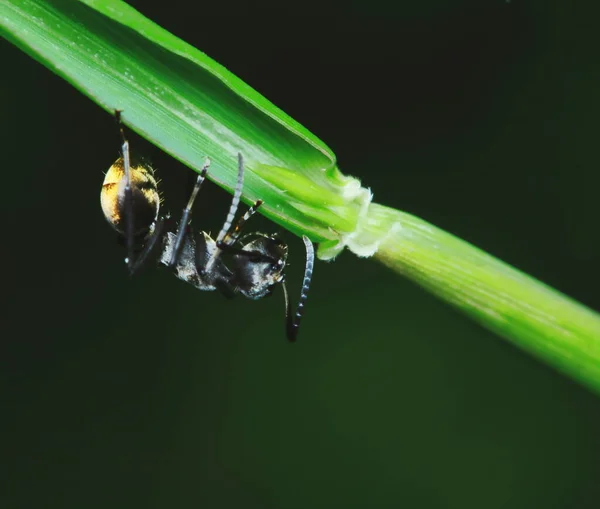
480,117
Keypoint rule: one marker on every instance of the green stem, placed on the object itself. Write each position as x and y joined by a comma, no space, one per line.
530,314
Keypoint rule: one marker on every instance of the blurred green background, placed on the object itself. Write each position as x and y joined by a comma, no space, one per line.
479,116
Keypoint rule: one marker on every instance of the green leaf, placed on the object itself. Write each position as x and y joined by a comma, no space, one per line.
191,107
184,102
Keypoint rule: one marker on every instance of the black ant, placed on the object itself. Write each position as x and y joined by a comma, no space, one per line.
131,203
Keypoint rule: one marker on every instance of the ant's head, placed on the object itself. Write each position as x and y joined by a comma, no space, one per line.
263,268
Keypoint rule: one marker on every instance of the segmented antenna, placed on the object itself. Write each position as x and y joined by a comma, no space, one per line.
185,217
236,200
129,219
293,322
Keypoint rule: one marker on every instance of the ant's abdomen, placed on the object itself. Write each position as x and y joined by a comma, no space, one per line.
146,199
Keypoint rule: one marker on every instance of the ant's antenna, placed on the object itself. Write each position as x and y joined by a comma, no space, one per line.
293,322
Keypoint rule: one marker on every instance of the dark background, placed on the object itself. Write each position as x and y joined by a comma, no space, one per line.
479,116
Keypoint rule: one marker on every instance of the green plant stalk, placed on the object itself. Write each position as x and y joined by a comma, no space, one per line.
190,106
532,315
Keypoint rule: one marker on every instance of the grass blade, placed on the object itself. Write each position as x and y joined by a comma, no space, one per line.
190,106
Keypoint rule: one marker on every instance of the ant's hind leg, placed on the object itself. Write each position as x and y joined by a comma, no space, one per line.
129,219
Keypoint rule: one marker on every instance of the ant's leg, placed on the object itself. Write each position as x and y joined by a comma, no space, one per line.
129,219
230,238
226,288
185,217
235,202
150,245
230,216
292,323
220,276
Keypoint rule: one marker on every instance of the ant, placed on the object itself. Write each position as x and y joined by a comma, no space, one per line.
131,202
